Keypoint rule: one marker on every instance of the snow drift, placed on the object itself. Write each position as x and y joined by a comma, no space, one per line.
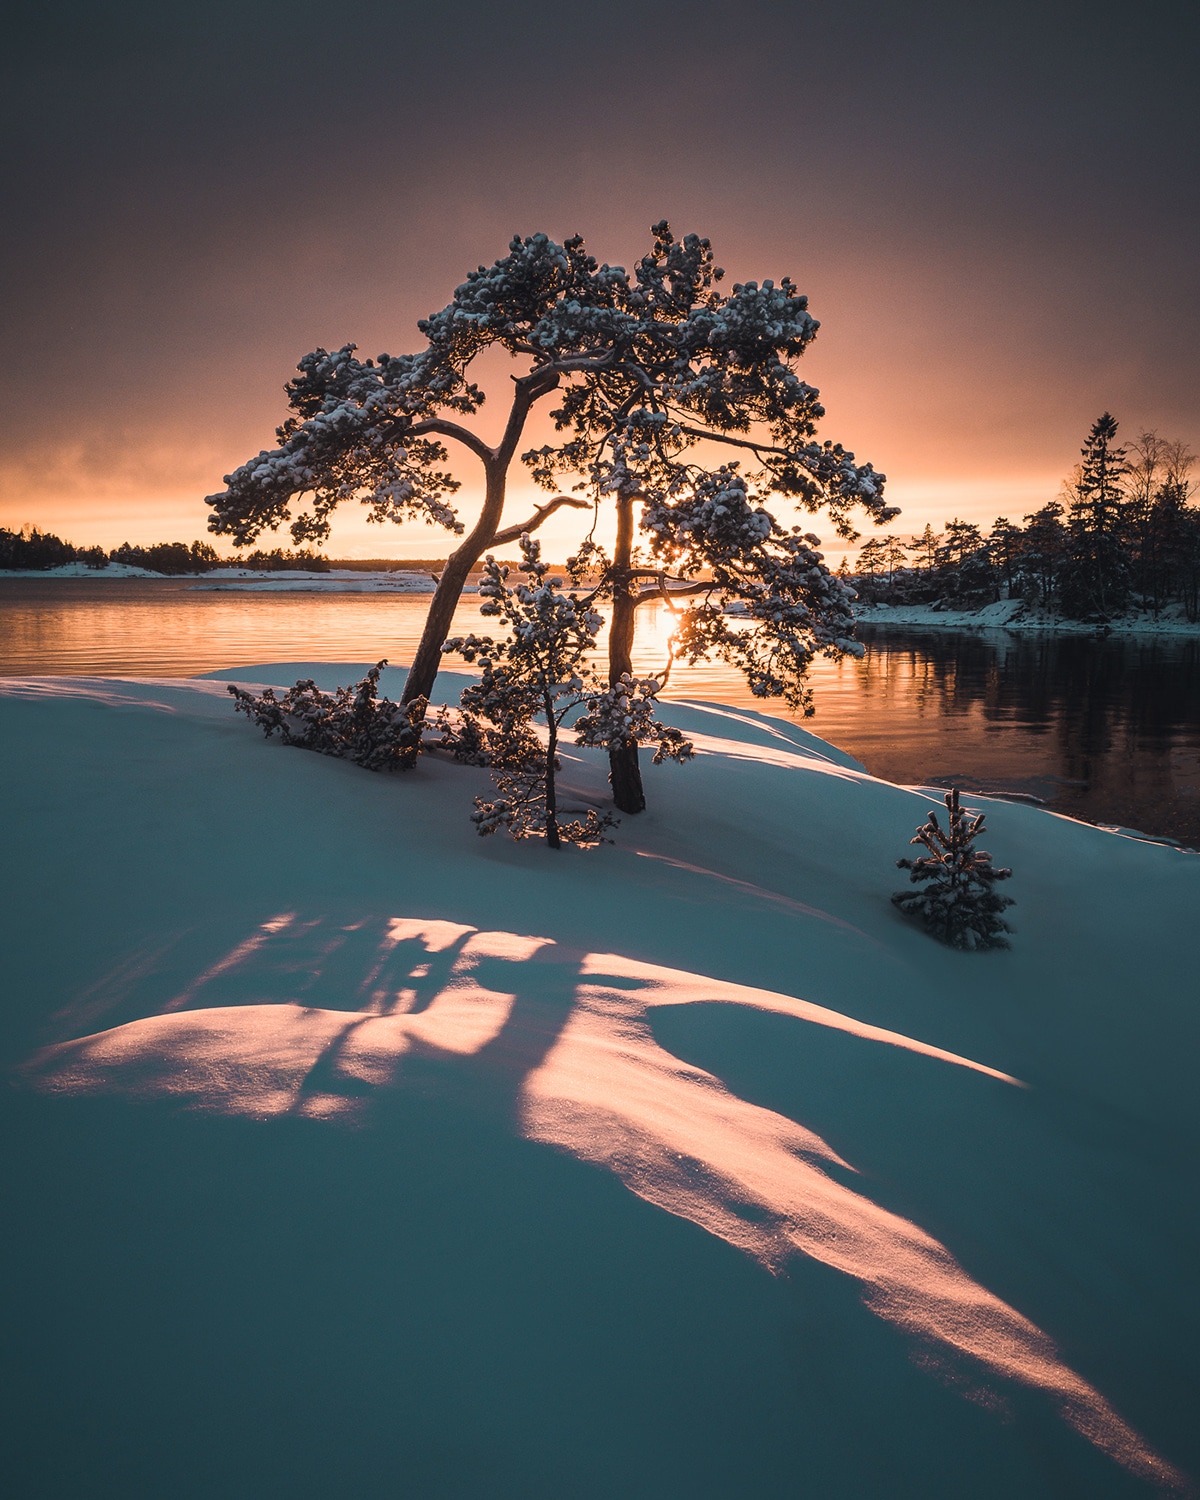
988,1147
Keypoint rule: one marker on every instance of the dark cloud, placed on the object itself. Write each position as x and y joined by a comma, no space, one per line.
992,206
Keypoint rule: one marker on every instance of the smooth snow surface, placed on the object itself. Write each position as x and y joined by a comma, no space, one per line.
360,1155
1014,615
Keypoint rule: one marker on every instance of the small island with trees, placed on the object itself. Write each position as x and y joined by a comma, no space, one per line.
1121,545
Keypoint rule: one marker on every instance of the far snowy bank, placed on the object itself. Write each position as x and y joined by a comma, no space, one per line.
336,581
351,1145
1016,615
81,570
250,580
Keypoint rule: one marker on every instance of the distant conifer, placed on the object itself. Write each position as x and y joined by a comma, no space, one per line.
1096,580
957,902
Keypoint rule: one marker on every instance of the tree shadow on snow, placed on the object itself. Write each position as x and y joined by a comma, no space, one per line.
390,1023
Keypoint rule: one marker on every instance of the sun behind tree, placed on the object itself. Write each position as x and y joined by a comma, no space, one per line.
539,670
648,368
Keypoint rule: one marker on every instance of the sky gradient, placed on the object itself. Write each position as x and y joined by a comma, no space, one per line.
992,209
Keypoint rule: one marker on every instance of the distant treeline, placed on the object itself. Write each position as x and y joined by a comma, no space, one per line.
35,551
1123,535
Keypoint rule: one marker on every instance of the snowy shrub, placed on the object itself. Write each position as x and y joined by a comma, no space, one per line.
538,672
957,902
351,724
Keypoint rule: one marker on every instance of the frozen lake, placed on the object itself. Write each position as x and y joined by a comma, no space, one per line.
1107,730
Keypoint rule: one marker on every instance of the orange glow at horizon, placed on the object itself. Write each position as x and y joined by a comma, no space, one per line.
964,421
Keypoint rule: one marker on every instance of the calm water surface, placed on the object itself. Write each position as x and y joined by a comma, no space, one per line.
1104,730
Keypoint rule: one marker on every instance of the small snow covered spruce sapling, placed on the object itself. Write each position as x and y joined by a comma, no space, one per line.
539,671
957,902
354,724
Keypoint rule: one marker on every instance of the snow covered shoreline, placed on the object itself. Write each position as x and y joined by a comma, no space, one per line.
81,570
1014,615
336,581
690,1139
249,580
1011,615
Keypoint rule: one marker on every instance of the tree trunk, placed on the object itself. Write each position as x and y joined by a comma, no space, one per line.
624,770
428,659
552,836
424,670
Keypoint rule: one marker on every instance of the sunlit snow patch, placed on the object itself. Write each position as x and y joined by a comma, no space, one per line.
563,1038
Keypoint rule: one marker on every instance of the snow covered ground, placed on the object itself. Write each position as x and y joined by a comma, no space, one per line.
1015,614
357,1155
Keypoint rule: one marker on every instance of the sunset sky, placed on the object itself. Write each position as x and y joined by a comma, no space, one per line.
991,207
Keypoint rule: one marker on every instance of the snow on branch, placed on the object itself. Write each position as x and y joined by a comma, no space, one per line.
537,675
660,348
769,603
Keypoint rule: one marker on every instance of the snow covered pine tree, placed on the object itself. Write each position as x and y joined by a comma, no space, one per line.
1095,583
958,903
539,670
649,367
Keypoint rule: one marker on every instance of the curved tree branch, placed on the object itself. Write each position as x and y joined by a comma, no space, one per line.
572,363
540,514
721,437
662,590
443,428
657,573
530,388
